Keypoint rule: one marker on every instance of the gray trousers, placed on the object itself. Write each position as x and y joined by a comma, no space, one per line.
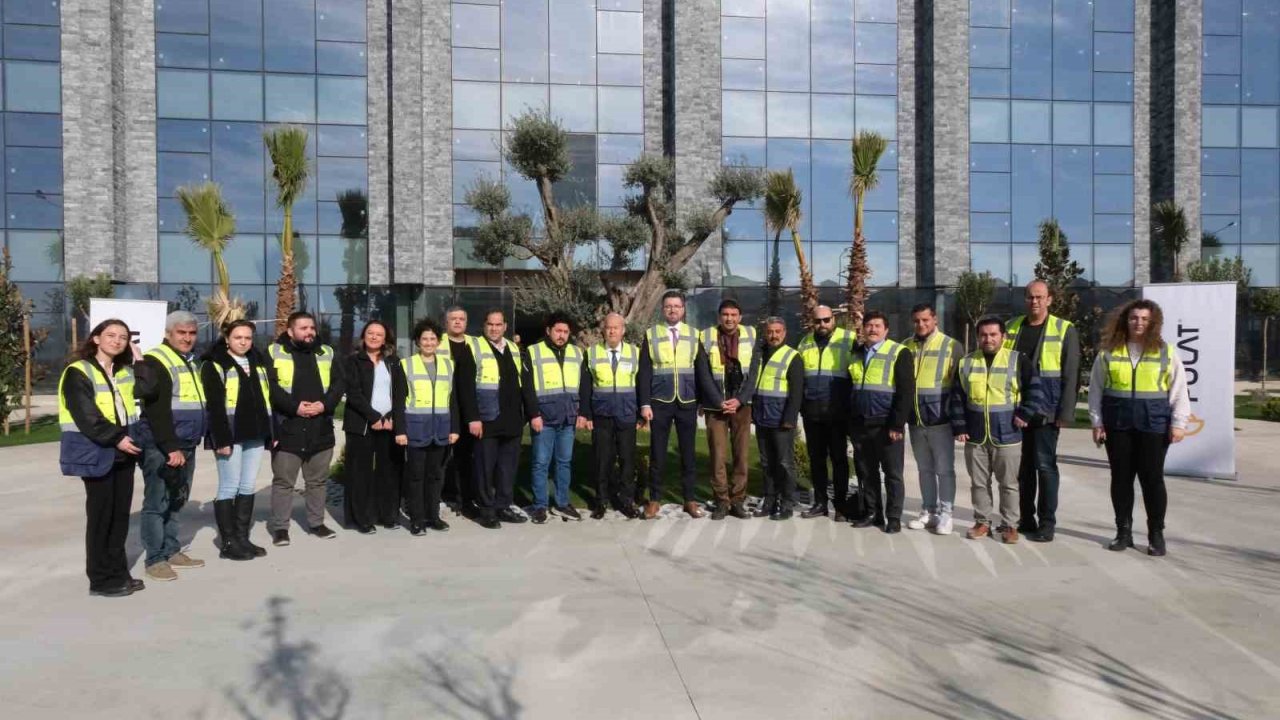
983,461
284,475
934,449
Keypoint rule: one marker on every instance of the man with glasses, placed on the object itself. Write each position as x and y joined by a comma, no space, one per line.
1053,345
882,373
825,356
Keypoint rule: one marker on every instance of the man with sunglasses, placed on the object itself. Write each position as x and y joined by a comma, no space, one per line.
825,355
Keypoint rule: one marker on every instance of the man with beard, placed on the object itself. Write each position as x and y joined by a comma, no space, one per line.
825,355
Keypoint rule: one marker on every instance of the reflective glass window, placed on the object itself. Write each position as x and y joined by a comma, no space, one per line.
341,100
831,36
621,110
574,106
182,262
1218,161
38,130
1220,195
993,259
475,64
989,121
340,20
1112,194
25,42
620,69
1113,161
185,16
33,170
989,192
876,43
1032,33
989,158
1112,124
1221,89
1031,187
184,51
1024,259
1112,265
1221,55
520,97
1220,127
36,255
745,263
1113,86
289,37
343,260
743,113
1072,66
750,8
743,151
1113,15
1262,262
989,13
1258,127
237,96
620,32
182,135
989,227
573,41
986,82
291,98
619,149
742,38
235,34
742,74
1031,121
877,79
1113,229
1260,61
832,116
337,58
787,46
246,259
475,26
1260,197
1113,52
524,53
32,87
988,47
879,114
1071,123
1221,17
878,11
477,105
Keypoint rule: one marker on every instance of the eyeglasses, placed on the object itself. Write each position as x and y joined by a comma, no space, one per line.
824,320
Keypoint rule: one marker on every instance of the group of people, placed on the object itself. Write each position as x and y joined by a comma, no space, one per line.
446,423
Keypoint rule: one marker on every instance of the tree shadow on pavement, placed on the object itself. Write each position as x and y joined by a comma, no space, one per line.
289,680
458,682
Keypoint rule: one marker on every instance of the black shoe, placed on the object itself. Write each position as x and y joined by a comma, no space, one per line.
1043,535
597,512
1155,543
438,525
244,523
767,507
137,585
507,515
231,548
390,525
782,512
1124,538
323,532
538,516
367,530
279,538
629,511
894,525
816,510
738,510
569,512
489,523
117,591
417,530
862,522
720,511
1028,529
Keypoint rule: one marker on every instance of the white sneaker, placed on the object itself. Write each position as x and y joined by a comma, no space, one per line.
944,524
919,522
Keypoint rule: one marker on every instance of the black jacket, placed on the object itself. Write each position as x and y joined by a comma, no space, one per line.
81,399
253,412
295,434
904,387
517,402
357,378
795,384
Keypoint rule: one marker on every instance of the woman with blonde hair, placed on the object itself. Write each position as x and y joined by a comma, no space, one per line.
1138,404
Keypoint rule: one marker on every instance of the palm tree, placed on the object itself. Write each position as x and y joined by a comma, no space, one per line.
290,171
1169,225
210,226
782,201
868,146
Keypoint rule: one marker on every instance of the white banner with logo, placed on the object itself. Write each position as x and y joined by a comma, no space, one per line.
1200,321
145,318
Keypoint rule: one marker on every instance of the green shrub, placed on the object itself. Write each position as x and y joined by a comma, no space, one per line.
1271,410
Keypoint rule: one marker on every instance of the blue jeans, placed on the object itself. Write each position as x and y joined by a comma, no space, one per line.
238,471
164,491
557,443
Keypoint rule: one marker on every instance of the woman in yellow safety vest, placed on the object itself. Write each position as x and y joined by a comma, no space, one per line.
1138,404
432,424
98,415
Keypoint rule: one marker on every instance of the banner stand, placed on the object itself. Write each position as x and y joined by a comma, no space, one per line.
1200,323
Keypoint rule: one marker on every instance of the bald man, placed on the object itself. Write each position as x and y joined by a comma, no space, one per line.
1053,344
607,406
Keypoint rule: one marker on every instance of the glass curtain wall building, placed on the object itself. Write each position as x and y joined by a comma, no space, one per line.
1051,134
1000,114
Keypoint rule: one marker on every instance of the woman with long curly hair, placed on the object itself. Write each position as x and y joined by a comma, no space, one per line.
1138,404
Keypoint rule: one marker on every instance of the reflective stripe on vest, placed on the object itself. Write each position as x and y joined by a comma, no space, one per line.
549,376
711,344
934,377
79,456
613,394
992,394
822,364
873,386
489,376
427,406
1048,356
282,362
772,388
186,401
446,349
673,375
1135,396
231,387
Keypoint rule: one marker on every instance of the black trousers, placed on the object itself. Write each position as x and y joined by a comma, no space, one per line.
459,480
873,452
613,450
685,418
1038,477
1130,453
106,509
374,466
424,477
778,460
827,438
496,460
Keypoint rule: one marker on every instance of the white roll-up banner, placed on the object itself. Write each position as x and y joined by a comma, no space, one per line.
1200,322
145,318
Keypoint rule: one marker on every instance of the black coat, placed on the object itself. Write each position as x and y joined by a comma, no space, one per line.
293,433
357,378
253,412
517,402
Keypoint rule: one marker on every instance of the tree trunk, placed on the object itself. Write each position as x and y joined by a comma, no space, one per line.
966,337
287,288
808,291
1265,323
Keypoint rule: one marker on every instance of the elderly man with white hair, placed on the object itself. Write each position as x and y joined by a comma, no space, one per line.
173,424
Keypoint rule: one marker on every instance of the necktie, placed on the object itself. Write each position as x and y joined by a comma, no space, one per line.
675,337
613,359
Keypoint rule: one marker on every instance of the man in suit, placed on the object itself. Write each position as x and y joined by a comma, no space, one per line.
778,390
674,373
882,374
495,404
608,408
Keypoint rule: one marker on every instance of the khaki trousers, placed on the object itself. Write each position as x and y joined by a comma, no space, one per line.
723,433
984,461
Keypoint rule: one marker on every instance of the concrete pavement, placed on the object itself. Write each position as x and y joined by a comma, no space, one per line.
674,618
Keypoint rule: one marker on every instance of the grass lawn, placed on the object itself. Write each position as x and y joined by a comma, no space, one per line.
43,430
1247,409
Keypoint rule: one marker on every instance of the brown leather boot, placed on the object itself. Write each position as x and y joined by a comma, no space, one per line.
979,530
694,509
651,510
1008,535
